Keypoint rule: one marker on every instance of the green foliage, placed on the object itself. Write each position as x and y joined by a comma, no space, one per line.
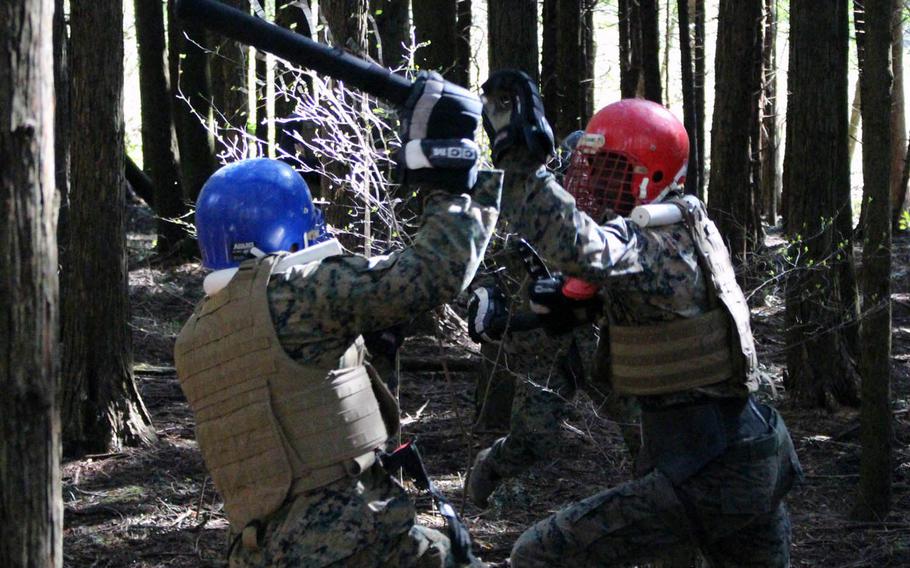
903,223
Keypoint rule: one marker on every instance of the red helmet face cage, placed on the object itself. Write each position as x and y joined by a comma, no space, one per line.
601,181
633,152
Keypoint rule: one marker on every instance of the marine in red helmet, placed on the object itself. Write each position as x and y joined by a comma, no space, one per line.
715,463
633,152
542,338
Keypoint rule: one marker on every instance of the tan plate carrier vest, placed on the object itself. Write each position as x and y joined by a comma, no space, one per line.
269,427
683,354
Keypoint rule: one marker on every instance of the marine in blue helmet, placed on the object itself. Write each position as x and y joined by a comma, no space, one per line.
288,413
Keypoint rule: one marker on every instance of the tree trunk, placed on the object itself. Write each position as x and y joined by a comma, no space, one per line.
698,55
731,202
512,35
347,21
898,116
31,508
61,121
228,72
101,406
435,24
770,174
259,112
668,35
290,15
159,140
191,93
859,27
631,73
905,174
650,49
690,115
393,21
570,73
463,54
755,127
821,294
588,54
874,499
549,60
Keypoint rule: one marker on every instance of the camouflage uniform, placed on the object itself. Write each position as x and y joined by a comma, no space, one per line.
731,508
318,312
549,370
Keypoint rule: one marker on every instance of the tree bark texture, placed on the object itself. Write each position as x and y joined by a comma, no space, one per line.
191,102
571,70
288,83
574,65
698,55
755,123
394,24
436,25
821,295
347,20
898,114
31,508
159,139
549,60
770,174
512,36
630,51
690,113
650,45
101,406
874,498
732,203
461,74
228,72
588,54
61,120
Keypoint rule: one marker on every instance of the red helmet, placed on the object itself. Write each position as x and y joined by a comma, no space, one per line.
633,151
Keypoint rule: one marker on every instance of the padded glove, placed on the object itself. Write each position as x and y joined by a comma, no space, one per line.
564,304
487,314
437,135
513,115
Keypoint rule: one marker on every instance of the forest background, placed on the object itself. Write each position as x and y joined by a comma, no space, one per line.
87,365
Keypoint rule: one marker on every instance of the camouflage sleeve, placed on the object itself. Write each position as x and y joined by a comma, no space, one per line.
538,208
318,310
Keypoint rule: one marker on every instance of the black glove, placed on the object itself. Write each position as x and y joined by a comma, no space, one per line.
558,312
513,115
487,314
437,135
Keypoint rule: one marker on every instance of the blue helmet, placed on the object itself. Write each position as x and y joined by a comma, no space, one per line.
257,203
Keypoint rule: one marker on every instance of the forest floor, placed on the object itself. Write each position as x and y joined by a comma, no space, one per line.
155,506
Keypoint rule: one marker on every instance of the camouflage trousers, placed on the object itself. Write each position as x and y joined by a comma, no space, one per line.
543,396
368,521
732,510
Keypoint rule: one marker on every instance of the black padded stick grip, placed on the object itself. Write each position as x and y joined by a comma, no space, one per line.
297,49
